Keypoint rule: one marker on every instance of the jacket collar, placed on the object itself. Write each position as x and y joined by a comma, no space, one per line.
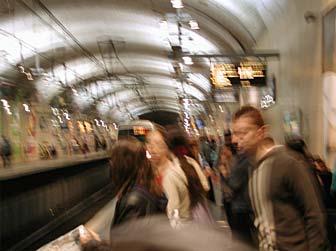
269,152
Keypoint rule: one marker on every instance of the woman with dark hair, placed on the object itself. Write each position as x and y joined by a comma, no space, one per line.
196,180
133,177
181,184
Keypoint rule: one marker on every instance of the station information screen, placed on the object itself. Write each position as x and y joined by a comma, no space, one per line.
234,75
139,130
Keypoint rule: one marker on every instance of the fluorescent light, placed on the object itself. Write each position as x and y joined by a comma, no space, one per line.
60,119
66,115
177,4
97,122
193,25
26,107
187,60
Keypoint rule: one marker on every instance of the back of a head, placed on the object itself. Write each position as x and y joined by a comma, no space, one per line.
297,144
179,145
250,112
178,142
127,162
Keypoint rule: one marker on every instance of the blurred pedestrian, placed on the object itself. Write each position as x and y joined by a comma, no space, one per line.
171,176
208,172
6,151
133,178
240,216
197,183
287,206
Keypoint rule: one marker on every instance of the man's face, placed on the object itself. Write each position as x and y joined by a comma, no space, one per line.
246,134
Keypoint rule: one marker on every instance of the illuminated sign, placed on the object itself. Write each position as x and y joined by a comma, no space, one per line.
139,130
244,74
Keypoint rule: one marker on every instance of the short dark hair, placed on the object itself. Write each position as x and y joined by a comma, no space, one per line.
250,112
297,144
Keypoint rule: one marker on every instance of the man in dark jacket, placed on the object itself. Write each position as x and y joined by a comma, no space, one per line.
239,217
288,211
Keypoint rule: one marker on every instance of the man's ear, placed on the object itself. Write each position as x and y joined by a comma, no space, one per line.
264,130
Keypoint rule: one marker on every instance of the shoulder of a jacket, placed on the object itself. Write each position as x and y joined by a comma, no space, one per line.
284,158
287,155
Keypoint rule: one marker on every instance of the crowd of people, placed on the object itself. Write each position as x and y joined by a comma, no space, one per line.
275,196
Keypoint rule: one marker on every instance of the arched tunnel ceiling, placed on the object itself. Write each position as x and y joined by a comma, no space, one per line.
118,53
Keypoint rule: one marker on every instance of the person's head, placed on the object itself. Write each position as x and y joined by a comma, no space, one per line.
226,152
249,129
297,144
178,142
180,146
194,145
156,143
129,166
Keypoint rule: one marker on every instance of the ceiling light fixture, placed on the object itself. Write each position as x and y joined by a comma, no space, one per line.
177,4
26,107
97,122
187,60
193,25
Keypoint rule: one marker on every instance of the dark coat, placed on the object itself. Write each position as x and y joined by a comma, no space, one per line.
238,182
136,204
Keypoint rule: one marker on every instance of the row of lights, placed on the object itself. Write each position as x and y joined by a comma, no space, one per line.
177,4
62,112
65,113
6,106
100,122
56,112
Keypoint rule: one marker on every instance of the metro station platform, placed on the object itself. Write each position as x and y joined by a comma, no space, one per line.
37,166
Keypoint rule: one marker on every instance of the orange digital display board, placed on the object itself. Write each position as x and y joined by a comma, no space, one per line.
228,75
139,130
